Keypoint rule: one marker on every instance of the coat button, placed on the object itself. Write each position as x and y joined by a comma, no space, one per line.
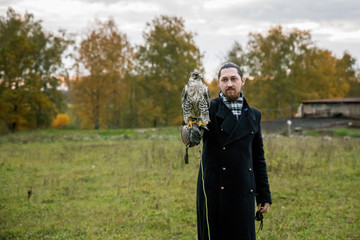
250,169
251,190
224,148
222,129
252,132
222,188
224,168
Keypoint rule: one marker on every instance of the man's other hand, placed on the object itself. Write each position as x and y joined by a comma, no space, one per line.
265,208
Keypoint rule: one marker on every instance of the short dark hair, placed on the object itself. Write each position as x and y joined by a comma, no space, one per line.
230,65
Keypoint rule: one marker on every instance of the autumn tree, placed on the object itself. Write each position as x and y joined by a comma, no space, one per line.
30,59
269,60
165,61
99,94
350,74
319,75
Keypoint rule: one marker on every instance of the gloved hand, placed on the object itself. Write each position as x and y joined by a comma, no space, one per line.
195,136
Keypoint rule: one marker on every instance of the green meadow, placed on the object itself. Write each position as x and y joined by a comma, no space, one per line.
133,184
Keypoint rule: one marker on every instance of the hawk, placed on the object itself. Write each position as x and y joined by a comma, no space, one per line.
195,101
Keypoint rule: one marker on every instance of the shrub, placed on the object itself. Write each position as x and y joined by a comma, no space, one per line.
61,121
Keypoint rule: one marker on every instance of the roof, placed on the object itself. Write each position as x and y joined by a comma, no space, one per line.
333,100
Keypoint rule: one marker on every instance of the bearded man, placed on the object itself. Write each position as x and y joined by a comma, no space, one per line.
232,172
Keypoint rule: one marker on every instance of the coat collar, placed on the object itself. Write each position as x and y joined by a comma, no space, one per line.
236,129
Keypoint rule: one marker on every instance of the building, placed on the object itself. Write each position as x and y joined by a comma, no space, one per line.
335,107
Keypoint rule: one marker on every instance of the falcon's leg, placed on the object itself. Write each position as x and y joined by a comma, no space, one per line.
190,124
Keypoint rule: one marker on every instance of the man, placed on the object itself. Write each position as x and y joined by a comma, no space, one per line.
233,169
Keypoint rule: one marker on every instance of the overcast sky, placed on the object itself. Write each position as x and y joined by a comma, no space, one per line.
334,24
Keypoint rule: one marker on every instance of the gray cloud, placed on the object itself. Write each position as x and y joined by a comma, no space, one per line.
104,1
283,11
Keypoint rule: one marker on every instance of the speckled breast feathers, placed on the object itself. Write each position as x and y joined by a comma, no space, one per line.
196,100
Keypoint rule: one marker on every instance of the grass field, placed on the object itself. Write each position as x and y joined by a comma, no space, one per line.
133,184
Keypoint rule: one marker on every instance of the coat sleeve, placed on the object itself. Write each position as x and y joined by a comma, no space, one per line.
214,104
261,179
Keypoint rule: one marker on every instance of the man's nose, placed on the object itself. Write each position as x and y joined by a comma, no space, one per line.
229,83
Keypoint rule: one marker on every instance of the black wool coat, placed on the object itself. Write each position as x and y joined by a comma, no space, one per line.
233,171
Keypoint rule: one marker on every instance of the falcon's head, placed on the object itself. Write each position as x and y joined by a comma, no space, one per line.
197,76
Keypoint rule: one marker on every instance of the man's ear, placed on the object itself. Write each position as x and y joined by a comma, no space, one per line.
218,82
243,81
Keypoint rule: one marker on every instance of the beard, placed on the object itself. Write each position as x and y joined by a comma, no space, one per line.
232,95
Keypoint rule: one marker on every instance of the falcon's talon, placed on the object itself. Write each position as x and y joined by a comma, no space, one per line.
201,124
190,124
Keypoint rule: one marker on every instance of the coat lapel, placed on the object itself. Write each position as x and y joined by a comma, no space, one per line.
229,120
236,129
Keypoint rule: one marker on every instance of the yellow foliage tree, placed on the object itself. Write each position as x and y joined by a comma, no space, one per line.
165,61
100,97
30,57
61,121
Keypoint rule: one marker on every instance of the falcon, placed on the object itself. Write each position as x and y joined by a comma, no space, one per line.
195,101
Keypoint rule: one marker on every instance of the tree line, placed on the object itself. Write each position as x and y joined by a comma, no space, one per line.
119,85
286,67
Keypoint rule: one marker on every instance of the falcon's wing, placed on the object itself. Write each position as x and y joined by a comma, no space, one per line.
184,96
204,104
207,96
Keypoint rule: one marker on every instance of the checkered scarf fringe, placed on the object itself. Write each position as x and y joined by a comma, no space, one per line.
234,106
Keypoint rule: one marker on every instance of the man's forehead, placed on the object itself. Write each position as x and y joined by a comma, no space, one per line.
226,72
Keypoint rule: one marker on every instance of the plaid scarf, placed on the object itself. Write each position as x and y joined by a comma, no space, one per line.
234,106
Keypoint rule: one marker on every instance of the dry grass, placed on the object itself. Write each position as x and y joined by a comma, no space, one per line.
134,185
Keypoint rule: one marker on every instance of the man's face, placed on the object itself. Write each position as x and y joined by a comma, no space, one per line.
230,83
